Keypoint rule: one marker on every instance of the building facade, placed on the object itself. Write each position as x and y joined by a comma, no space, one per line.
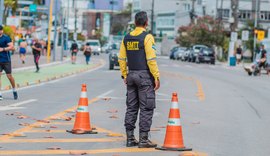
169,15
246,12
90,15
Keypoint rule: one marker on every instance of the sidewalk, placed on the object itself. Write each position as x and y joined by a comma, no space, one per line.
25,75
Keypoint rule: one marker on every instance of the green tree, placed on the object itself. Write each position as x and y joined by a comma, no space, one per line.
207,31
10,4
128,9
8,31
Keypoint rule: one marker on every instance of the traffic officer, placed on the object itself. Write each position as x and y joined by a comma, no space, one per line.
138,52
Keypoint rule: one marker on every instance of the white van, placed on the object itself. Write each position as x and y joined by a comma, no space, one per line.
95,45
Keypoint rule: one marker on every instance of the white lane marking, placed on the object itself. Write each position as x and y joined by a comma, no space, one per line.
163,57
15,105
161,94
175,65
105,94
157,99
188,66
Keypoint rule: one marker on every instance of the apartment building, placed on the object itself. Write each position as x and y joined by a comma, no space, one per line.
90,14
169,15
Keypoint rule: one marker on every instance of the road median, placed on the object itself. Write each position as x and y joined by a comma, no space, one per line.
28,77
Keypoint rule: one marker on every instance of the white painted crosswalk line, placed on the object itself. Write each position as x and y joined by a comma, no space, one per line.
15,105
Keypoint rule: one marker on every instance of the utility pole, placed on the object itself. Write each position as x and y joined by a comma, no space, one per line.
49,32
111,19
217,13
234,7
192,13
1,11
55,29
255,26
75,23
63,16
152,16
67,35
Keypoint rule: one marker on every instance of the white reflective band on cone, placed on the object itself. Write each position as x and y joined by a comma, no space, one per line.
83,95
174,105
82,109
174,122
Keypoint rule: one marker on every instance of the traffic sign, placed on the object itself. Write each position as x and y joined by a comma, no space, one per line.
233,36
33,8
245,35
261,35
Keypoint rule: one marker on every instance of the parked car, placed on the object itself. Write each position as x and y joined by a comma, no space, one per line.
194,50
206,55
178,54
95,45
106,48
185,55
172,51
113,56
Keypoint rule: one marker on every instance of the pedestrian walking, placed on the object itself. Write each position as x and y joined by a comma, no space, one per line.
87,52
263,58
138,52
5,61
36,49
23,50
239,54
74,50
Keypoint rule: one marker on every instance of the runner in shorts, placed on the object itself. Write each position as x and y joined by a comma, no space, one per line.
37,48
74,50
22,51
5,62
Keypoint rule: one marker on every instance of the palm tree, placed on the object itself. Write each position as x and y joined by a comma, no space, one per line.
10,4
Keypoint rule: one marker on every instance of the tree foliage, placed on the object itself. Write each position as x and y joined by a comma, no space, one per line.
10,4
207,31
9,31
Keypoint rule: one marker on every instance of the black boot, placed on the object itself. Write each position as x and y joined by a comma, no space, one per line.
144,142
131,141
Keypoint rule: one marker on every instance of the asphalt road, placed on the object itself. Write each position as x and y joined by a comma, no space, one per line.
223,112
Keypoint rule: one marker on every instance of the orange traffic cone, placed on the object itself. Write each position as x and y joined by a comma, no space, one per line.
82,121
174,138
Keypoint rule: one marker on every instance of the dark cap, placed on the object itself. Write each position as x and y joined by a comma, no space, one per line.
1,27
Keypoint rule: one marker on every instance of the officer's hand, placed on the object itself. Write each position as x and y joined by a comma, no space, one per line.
125,81
157,85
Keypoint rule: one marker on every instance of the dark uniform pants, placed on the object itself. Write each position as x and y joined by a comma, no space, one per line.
140,96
